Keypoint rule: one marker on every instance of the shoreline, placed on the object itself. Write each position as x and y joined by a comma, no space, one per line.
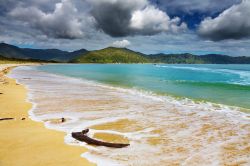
196,124
87,113
24,141
243,107
236,108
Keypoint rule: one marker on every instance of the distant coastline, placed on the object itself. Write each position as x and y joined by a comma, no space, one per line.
111,55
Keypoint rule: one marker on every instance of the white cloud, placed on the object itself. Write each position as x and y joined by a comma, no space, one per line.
233,23
64,22
152,20
121,44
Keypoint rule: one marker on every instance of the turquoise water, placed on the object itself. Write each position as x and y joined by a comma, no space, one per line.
224,84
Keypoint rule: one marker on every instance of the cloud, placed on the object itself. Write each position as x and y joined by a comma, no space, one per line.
72,19
119,18
189,6
151,20
192,12
121,43
63,22
233,23
113,16
150,25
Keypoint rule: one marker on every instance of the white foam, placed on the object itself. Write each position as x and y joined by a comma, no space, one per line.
100,161
244,75
150,111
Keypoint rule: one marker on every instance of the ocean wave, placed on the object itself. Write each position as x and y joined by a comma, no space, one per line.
162,124
244,75
132,91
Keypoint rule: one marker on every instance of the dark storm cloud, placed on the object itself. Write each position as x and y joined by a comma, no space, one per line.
120,18
93,24
72,19
233,23
113,18
6,5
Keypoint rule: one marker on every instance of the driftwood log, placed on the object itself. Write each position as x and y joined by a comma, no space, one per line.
81,136
1,119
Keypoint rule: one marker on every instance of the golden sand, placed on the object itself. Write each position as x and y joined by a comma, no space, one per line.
29,143
120,125
114,138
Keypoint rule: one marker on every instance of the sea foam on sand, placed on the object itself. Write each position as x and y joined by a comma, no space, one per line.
161,130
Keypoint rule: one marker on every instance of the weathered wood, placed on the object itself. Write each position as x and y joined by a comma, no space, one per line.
1,119
81,136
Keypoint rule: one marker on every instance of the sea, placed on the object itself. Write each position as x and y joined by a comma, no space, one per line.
169,114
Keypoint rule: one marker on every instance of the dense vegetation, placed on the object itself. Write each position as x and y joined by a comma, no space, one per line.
195,59
111,55
224,59
4,60
10,51
175,58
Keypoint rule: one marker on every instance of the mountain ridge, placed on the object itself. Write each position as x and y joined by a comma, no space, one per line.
187,58
111,55
10,51
115,55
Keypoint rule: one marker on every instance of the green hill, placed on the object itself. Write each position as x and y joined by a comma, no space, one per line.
10,51
176,59
111,55
197,59
4,60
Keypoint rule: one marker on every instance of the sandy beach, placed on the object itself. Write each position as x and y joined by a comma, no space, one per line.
164,130
190,133
24,142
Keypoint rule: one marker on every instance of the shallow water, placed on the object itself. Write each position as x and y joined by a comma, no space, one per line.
162,130
225,84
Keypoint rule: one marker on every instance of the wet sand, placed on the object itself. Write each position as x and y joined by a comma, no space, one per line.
161,130
25,142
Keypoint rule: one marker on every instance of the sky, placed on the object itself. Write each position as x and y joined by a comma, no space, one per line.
149,26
